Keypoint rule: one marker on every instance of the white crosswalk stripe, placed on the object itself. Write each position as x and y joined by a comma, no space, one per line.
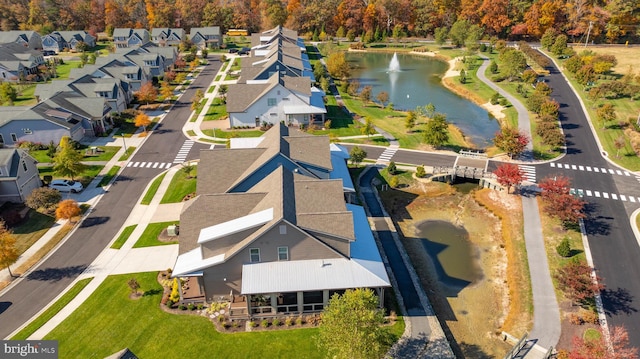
160,165
597,194
529,172
388,154
184,151
591,169
632,199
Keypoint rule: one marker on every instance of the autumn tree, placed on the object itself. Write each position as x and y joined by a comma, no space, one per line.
382,97
548,38
351,326
618,346
8,93
365,93
496,17
410,120
337,66
147,93
560,45
619,144
165,90
558,200
511,141
8,252
68,161
606,113
368,128
195,101
576,282
142,120
133,285
68,209
509,175
357,155
43,199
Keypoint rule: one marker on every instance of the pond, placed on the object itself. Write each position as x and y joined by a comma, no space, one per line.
418,83
454,256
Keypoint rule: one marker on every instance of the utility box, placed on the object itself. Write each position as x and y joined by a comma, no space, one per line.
173,230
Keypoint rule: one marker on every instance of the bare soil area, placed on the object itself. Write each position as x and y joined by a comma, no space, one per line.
475,316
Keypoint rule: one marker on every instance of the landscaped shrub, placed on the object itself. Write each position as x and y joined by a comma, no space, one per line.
221,318
175,293
299,320
392,168
264,323
200,306
253,324
276,322
564,248
191,306
170,303
182,307
394,181
288,321
420,173
495,98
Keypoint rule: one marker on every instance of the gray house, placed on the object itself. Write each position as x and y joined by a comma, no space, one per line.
18,175
29,39
277,56
59,40
128,38
131,75
18,62
206,37
111,90
272,233
167,36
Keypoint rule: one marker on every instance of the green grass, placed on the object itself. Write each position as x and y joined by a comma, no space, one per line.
26,95
125,156
109,176
216,111
191,133
180,187
211,88
89,173
122,238
218,76
64,70
149,237
31,230
153,188
106,153
52,310
591,334
233,133
111,321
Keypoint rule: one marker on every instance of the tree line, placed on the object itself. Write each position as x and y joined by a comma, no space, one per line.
604,21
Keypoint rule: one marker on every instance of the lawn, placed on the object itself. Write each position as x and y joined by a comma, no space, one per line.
153,188
52,310
26,95
104,153
181,185
122,238
89,173
111,321
233,133
216,111
63,70
29,231
149,237
109,176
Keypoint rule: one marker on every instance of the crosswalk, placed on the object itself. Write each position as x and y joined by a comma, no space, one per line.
529,173
184,151
161,165
602,170
605,195
388,153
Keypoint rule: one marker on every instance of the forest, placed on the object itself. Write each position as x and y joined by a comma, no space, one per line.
603,21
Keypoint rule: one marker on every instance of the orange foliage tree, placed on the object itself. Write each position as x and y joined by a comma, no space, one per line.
142,120
147,93
67,209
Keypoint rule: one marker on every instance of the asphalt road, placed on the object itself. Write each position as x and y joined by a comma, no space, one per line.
45,282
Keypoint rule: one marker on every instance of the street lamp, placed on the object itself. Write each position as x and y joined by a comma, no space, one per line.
124,143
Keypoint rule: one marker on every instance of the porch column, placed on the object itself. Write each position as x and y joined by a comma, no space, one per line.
274,302
300,302
325,298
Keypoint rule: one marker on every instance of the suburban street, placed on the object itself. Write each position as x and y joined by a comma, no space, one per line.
45,282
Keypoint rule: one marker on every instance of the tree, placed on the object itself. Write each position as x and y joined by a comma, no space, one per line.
548,38
67,162
441,35
195,101
513,62
133,285
560,45
368,128
509,175
606,113
187,168
68,209
165,90
576,282
365,93
436,132
463,77
529,76
430,109
357,155
619,144
458,32
420,172
589,348
394,181
493,67
392,169
382,97
559,202
351,326
564,248
142,120
410,120
147,93
511,140
8,252
338,66
43,199
8,93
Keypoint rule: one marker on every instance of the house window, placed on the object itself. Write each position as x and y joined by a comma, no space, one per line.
283,253
271,102
283,229
14,138
273,114
1,138
254,254
27,131
24,166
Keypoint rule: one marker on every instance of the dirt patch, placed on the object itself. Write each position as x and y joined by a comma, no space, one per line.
165,237
474,317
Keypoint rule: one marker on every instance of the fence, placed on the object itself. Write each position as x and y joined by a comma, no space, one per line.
516,348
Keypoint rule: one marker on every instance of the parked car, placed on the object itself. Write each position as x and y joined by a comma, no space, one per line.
48,53
64,185
244,51
233,50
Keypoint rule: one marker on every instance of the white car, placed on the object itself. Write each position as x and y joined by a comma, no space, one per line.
64,185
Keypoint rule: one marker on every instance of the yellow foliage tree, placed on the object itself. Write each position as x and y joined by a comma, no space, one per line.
142,120
8,252
67,209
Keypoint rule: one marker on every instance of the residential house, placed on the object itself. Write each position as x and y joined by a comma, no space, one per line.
63,114
18,62
272,232
18,175
131,75
128,38
111,90
153,59
291,100
276,56
167,36
29,39
278,32
58,41
206,37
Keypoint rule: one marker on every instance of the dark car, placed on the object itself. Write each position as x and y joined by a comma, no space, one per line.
48,53
233,51
244,51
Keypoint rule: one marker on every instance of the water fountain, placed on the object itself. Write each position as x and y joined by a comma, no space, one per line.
394,65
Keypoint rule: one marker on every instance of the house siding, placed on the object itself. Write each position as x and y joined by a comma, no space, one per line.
264,112
42,131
